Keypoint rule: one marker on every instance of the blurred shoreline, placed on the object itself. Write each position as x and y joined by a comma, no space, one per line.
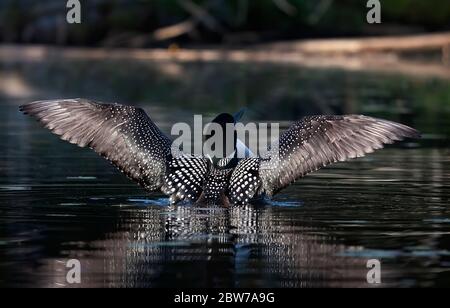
416,55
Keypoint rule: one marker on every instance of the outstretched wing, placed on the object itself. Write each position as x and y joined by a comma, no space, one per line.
124,135
317,141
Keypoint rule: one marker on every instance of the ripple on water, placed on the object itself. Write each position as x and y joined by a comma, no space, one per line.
442,220
84,178
387,254
14,187
145,202
285,203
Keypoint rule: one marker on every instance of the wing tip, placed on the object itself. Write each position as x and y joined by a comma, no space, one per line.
409,132
415,134
404,131
28,107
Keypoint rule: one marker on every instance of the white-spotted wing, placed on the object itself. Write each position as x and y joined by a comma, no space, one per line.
124,135
317,141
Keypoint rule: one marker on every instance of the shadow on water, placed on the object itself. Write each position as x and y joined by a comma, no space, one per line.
59,202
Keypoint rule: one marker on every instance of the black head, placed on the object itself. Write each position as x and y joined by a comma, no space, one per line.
223,119
226,122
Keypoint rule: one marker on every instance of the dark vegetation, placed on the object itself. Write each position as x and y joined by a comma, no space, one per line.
148,23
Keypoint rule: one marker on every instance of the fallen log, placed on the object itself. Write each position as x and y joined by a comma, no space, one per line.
361,45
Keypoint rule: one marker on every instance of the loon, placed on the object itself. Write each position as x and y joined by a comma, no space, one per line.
129,139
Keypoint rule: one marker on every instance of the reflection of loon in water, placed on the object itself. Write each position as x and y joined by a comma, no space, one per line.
132,142
243,246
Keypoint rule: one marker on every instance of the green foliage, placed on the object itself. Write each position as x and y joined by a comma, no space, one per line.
264,18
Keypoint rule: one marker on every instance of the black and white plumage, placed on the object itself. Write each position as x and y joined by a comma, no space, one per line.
128,138
245,181
124,135
185,177
317,141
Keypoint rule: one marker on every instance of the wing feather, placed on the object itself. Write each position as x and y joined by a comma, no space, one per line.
124,135
317,141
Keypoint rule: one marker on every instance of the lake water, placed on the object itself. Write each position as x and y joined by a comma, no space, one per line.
60,202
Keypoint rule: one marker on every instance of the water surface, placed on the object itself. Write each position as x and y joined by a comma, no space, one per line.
59,202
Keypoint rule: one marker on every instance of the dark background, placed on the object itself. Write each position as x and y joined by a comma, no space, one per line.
136,22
